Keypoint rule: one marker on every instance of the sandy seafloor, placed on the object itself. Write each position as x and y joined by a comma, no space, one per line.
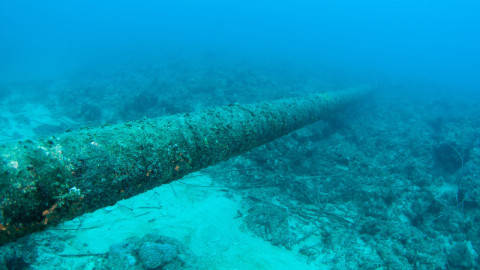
390,183
204,219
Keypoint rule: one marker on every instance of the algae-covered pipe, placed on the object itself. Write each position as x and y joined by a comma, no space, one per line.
51,180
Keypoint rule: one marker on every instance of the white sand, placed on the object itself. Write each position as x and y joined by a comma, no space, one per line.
204,219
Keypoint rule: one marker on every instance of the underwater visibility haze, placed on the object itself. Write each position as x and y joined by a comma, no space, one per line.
437,40
239,134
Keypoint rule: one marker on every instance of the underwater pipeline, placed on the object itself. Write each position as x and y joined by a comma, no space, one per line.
47,181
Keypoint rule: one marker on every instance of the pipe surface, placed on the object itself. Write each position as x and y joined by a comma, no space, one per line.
51,180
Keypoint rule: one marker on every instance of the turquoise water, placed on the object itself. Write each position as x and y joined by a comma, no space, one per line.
431,39
391,182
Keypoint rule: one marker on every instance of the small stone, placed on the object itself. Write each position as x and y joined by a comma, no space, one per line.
154,255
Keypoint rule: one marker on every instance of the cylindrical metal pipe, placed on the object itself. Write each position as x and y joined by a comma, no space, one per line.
48,181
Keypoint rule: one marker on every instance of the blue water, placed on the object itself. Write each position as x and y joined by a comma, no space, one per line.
433,40
391,182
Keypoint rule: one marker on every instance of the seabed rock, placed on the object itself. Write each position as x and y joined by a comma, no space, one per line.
152,252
